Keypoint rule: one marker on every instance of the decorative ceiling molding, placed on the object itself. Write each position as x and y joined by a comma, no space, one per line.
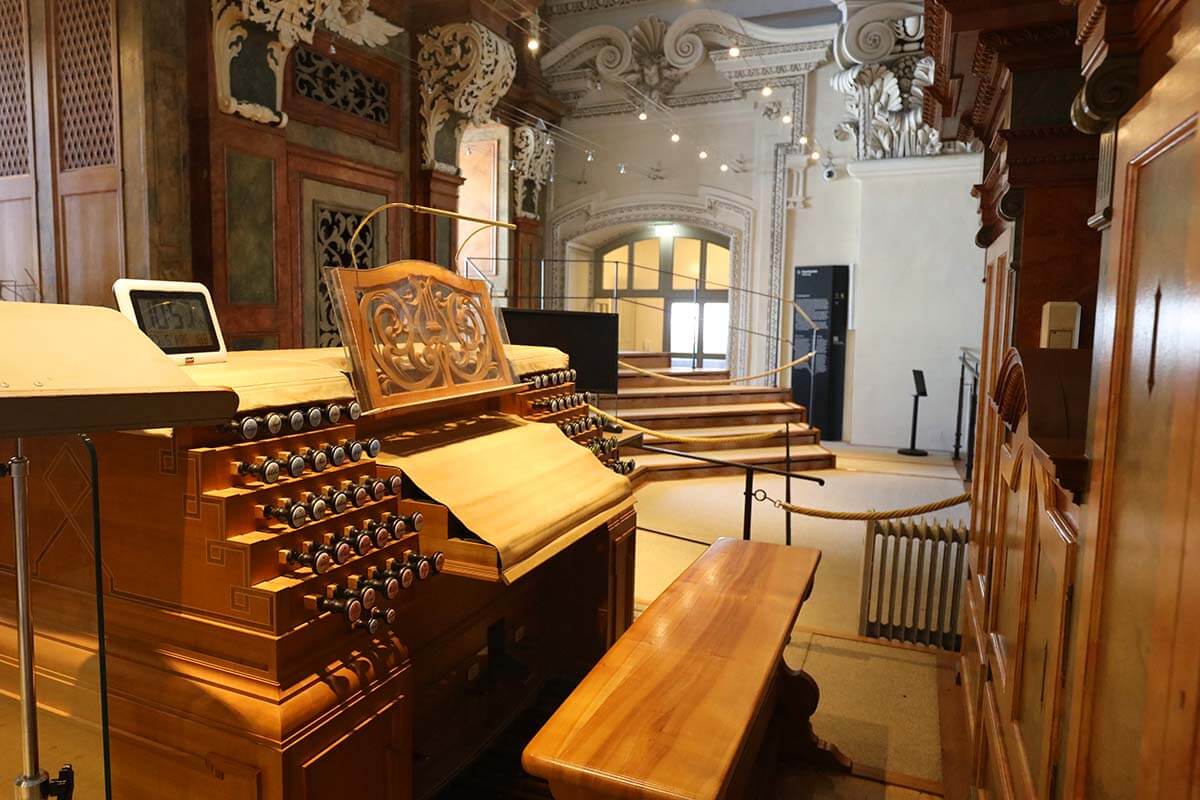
652,58
283,24
533,163
465,70
566,8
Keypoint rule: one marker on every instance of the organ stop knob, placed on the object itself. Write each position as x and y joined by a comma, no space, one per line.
285,511
349,608
319,559
420,564
265,469
360,541
383,583
356,588
402,572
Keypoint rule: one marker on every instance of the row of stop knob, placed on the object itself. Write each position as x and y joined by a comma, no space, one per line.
360,600
296,420
313,506
335,549
270,469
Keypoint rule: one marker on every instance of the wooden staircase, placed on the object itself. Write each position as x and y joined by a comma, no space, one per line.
719,410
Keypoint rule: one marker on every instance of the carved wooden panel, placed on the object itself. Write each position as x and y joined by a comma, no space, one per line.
418,332
14,100
84,45
347,88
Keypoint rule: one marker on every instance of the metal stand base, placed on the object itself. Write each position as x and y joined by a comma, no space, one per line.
909,451
29,787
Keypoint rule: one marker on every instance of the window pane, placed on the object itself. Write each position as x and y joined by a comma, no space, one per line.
685,319
687,264
716,267
641,325
645,264
607,270
716,328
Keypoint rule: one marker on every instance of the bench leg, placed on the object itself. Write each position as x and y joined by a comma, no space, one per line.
799,696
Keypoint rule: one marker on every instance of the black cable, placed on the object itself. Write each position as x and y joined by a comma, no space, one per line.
101,651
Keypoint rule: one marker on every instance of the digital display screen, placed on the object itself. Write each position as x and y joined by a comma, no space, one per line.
178,322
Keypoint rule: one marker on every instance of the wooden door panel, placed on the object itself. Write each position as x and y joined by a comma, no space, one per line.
1141,666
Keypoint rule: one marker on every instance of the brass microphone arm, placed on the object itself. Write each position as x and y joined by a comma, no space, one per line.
433,212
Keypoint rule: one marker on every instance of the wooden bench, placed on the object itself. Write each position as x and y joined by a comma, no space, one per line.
694,700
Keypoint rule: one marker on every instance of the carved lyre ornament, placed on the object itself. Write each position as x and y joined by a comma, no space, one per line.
285,23
533,161
417,332
465,71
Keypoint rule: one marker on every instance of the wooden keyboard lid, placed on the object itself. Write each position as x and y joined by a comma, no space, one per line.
75,369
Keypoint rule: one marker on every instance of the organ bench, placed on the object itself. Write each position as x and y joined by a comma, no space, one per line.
695,700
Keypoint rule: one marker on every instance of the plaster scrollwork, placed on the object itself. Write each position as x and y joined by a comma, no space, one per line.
878,31
465,70
533,161
648,62
883,103
285,23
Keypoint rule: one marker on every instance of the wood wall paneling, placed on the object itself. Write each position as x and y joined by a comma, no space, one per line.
85,120
20,273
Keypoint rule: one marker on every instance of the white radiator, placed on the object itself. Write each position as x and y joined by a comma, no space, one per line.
913,577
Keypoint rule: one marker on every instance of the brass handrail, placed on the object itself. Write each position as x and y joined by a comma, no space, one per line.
433,212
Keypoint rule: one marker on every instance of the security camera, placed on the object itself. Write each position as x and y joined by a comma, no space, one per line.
828,171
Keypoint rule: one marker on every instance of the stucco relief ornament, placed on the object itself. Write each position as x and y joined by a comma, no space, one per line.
883,102
533,161
652,74
465,71
290,22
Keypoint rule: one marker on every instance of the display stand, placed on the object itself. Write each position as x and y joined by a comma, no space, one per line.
918,393
71,370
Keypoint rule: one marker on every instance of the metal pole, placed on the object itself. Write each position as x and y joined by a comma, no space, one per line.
812,377
971,428
29,783
696,331
912,443
749,503
787,482
962,385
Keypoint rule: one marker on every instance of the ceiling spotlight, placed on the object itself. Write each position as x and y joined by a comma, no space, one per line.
591,156
533,44
724,168
735,51
803,139
621,168
549,140
786,119
766,90
815,155
674,137
703,154
643,116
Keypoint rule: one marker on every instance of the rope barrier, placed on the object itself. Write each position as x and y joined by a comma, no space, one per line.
861,516
716,381
673,437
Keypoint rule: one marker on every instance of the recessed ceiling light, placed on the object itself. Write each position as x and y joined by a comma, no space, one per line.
766,91
703,154
724,168
642,115
735,51
674,137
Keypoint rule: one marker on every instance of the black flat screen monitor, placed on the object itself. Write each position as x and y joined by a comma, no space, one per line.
590,339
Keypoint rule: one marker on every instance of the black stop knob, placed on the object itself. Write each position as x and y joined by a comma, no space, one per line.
360,541
336,454
354,449
333,413
350,608
295,420
394,484
438,561
373,446
285,511
317,460
420,565
403,572
385,585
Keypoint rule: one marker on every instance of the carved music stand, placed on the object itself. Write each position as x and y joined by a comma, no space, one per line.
417,333
76,370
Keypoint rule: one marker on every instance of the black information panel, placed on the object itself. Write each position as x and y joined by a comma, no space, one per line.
824,294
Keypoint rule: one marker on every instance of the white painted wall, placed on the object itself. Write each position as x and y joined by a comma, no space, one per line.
918,296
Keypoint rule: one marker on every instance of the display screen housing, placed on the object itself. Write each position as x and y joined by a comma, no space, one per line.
178,322
587,337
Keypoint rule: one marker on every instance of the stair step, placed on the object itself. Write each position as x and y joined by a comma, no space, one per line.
657,466
628,379
674,417
668,396
801,434
646,360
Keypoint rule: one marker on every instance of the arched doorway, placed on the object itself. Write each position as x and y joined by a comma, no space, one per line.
669,283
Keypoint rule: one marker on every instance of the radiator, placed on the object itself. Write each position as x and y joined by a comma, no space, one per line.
913,577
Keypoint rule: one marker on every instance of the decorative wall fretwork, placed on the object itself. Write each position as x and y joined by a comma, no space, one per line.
253,38
533,161
14,109
334,229
652,58
465,70
83,42
342,87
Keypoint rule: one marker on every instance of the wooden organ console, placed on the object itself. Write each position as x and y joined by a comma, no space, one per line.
293,613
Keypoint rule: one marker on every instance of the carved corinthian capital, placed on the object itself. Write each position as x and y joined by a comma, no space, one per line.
465,71
533,160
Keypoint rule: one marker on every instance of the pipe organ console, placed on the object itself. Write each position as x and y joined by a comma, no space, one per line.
298,606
